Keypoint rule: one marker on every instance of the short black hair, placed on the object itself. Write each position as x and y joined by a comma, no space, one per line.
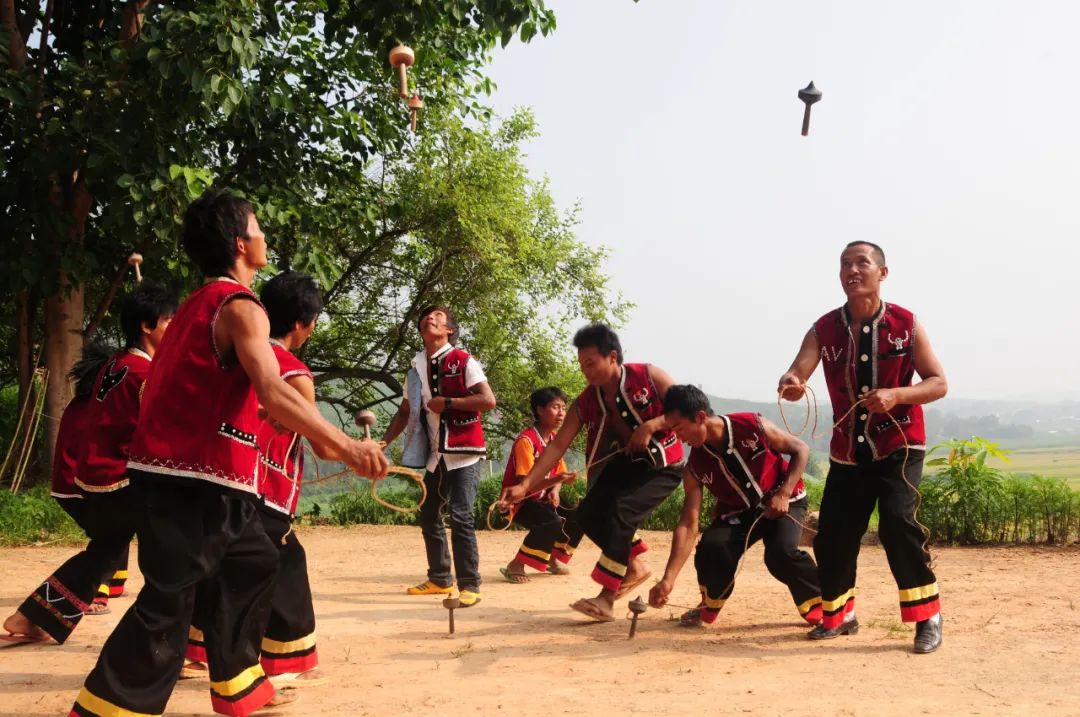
290,297
543,396
687,400
211,224
451,320
84,372
878,252
599,337
148,303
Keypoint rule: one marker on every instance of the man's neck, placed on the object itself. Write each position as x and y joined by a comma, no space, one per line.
432,347
146,348
288,341
242,273
545,430
717,432
864,308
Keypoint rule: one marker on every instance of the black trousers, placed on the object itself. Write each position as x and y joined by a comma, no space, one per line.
722,545
289,642
553,532
851,492
618,502
193,531
113,584
109,520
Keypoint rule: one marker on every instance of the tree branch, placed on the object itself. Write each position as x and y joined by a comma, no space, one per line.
329,373
110,294
16,46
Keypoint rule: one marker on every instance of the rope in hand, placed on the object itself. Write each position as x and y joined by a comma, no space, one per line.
392,470
808,393
511,511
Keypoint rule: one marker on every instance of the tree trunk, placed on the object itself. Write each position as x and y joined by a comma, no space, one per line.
24,351
16,47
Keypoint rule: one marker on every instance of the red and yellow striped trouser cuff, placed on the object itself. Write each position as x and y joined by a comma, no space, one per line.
535,559
833,611
638,546
921,603
196,645
811,610
243,694
710,607
609,573
562,552
87,704
297,655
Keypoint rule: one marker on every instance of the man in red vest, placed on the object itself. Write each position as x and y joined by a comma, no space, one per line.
93,442
871,351
293,302
738,458
635,458
453,392
195,459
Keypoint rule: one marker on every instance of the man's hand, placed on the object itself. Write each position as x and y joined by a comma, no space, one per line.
567,477
777,504
553,497
639,441
880,400
791,387
437,404
658,594
512,495
366,458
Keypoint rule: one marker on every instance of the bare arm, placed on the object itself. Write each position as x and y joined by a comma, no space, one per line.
793,383
480,398
682,541
244,327
799,454
306,388
398,422
931,387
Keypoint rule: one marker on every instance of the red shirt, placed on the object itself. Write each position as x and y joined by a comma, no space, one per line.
66,457
199,415
744,469
282,453
110,422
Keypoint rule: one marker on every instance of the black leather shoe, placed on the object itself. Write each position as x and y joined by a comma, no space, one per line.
848,627
928,635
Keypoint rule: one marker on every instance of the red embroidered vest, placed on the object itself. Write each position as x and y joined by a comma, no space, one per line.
744,470
66,455
856,359
110,422
459,431
638,401
510,475
282,453
199,410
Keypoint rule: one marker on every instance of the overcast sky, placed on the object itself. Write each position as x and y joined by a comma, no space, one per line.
949,132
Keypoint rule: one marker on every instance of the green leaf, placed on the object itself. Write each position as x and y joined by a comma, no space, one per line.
152,54
235,93
125,180
215,83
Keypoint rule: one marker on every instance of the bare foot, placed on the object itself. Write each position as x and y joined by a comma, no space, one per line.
312,678
636,575
19,624
281,699
97,608
556,568
514,572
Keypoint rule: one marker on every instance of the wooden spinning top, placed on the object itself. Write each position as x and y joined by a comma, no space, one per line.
638,607
402,57
135,260
365,419
809,95
415,103
451,603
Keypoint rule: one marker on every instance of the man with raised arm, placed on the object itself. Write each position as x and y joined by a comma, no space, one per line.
635,458
871,351
195,459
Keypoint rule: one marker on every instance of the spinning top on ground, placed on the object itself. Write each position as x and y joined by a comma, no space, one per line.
402,58
451,603
415,103
809,95
365,419
637,607
135,260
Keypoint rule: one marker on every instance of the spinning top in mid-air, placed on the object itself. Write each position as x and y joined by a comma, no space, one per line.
637,607
415,104
402,58
809,95
135,260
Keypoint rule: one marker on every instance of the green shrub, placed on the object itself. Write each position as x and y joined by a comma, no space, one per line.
33,516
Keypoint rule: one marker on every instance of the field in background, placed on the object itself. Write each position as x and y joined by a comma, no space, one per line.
1055,462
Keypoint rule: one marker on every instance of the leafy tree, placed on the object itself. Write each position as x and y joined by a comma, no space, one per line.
114,115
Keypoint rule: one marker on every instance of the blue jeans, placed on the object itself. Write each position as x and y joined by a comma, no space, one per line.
454,490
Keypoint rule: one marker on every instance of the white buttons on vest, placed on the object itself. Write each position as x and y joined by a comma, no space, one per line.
624,414
862,417
864,389
866,329
864,357
862,439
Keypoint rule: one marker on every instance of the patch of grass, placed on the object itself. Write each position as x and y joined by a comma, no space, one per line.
894,628
33,516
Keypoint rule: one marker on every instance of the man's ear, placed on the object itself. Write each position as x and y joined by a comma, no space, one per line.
884,273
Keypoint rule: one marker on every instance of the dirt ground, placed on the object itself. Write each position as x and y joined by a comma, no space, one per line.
1012,641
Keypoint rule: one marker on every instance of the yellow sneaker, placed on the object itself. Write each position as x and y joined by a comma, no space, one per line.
429,588
469,598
